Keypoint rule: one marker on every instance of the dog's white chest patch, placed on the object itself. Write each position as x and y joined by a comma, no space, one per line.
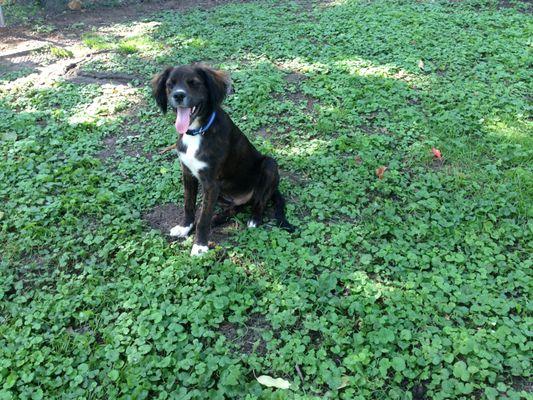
188,157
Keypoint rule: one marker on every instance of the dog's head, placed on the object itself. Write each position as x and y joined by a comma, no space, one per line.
192,91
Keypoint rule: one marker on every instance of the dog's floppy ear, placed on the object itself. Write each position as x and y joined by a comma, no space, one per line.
217,82
159,89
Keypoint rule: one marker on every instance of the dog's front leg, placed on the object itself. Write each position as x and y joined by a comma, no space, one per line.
190,187
211,192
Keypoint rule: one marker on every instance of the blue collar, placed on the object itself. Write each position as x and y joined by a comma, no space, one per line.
202,129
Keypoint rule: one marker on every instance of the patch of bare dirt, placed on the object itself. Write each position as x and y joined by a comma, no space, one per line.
45,68
293,177
265,133
522,384
69,25
298,98
101,78
295,78
524,6
437,164
374,130
251,335
33,272
166,216
7,67
19,45
112,145
19,60
126,142
414,101
85,330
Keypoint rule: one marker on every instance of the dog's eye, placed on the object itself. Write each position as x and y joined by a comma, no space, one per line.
192,82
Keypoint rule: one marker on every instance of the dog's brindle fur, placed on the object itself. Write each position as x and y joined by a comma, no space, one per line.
231,169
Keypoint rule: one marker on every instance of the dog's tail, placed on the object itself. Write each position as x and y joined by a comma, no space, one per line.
279,212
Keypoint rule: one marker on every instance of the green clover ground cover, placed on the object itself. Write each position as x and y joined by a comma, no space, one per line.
415,285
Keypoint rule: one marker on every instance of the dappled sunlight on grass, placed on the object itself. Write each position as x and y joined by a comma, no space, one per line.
308,148
408,284
297,64
125,39
366,68
131,29
113,100
513,131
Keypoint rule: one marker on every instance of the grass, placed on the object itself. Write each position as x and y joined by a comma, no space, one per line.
416,285
127,45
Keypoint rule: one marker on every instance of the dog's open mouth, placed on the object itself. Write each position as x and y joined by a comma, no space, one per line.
183,118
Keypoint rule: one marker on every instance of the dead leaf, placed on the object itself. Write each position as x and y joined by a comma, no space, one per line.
345,380
268,381
74,5
380,171
420,64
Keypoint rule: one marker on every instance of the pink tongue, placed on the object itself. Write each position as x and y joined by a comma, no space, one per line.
183,119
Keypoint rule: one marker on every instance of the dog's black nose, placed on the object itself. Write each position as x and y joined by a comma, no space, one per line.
179,96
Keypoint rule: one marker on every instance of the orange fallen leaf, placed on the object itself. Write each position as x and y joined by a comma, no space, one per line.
380,171
436,152
74,5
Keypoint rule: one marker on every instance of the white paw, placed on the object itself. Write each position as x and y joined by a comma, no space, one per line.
198,250
252,224
180,231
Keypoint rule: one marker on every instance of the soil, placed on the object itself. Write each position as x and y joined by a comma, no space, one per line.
70,23
19,45
255,326
264,133
166,216
522,384
295,77
102,78
163,217
111,145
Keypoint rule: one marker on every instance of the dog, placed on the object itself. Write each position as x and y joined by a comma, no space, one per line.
214,152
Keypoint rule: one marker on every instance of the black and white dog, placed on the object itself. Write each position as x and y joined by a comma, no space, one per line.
214,152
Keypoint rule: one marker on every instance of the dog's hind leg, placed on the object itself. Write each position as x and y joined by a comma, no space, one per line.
263,190
279,211
266,189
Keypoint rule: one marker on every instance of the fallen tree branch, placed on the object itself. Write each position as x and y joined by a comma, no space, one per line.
167,149
116,76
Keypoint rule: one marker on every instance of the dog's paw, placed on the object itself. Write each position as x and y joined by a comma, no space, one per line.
180,231
252,224
288,227
198,250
